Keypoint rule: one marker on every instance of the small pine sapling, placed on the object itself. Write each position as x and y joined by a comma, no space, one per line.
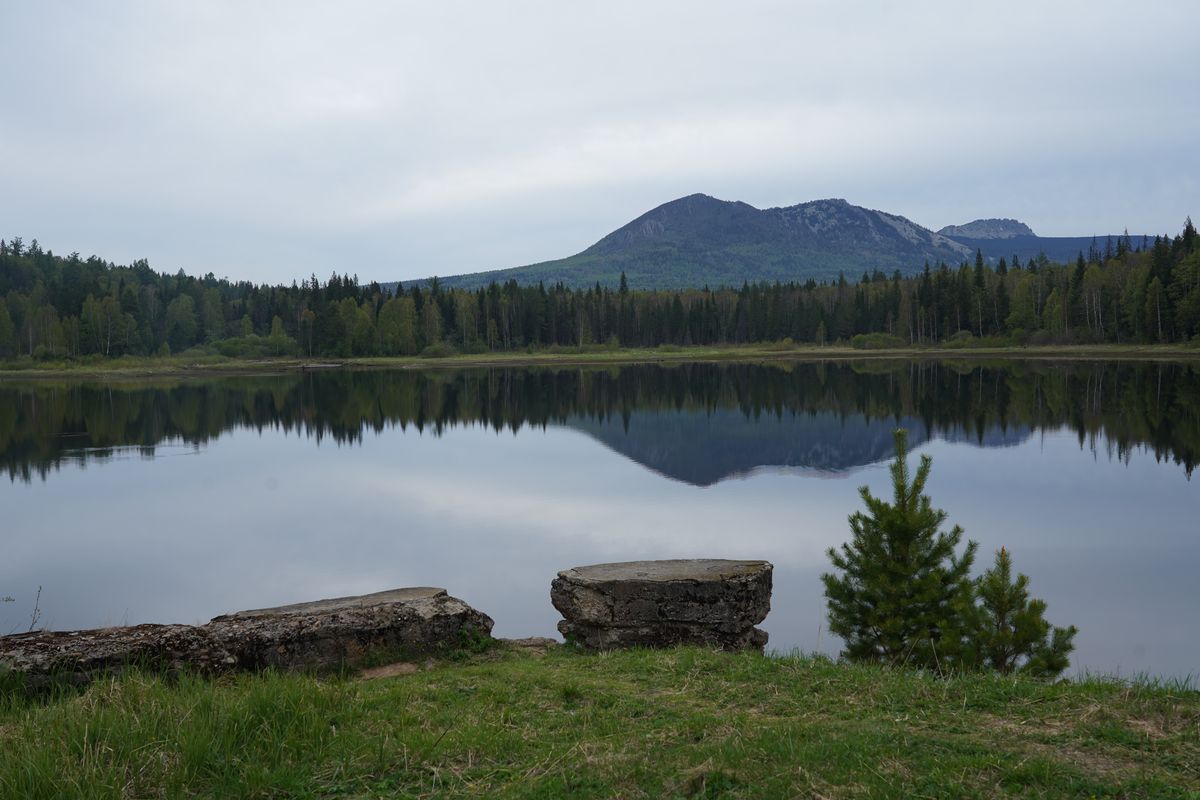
1009,632
903,596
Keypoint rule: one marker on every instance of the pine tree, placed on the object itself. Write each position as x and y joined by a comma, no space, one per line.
1009,632
903,596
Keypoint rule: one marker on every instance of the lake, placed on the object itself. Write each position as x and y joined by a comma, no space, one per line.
177,500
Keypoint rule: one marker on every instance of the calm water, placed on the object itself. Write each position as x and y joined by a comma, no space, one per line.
177,501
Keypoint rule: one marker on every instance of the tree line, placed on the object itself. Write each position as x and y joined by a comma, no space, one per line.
67,307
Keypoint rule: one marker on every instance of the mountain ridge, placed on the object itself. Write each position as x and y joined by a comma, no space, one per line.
988,229
699,240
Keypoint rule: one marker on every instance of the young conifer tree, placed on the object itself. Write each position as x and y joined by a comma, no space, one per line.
1010,633
903,596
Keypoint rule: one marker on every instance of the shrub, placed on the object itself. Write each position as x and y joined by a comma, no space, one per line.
439,350
255,346
475,347
1009,632
876,341
903,595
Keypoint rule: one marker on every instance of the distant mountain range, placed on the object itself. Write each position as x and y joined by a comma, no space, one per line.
699,240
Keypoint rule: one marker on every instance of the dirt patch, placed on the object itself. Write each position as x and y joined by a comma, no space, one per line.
534,645
1026,727
1029,736
389,671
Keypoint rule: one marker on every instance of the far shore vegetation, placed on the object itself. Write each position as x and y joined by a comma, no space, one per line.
206,361
60,309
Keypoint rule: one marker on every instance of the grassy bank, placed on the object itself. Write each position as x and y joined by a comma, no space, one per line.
208,364
678,723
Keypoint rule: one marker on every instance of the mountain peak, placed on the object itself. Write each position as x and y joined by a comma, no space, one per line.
989,229
701,240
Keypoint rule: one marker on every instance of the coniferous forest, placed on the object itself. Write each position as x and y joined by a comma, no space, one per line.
1120,291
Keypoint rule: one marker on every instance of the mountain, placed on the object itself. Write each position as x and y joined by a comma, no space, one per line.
988,229
1005,238
700,240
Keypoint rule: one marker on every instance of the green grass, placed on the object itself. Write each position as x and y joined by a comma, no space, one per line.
675,723
197,363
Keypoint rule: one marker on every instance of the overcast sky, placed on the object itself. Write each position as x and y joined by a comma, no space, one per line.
272,140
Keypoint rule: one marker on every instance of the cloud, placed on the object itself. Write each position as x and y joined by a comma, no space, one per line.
400,139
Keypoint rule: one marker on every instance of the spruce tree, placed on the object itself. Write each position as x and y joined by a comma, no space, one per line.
1009,632
903,596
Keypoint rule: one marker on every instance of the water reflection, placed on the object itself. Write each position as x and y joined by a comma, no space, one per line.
175,501
697,423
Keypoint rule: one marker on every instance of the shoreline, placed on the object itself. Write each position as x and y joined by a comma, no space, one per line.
216,366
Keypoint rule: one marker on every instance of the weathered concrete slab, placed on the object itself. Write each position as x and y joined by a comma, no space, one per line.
408,594
597,637
80,656
327,633
661,603
322,634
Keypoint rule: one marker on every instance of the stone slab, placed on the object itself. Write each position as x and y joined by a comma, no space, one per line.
593,637
327,633
666,570
696,591
661,603
406,595
316,635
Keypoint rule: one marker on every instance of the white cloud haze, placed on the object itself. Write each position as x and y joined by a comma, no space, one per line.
396,140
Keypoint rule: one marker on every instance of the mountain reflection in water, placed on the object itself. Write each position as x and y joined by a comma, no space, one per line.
707,447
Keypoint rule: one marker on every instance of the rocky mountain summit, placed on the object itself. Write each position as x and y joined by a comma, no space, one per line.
819,228
701,240
989,229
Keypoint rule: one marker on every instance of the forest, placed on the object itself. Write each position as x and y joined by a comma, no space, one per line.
1120,291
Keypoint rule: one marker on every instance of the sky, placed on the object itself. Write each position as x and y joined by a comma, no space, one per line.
272,140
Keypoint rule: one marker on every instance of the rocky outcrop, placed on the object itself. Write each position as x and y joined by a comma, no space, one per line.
709,602
989,229
318,635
